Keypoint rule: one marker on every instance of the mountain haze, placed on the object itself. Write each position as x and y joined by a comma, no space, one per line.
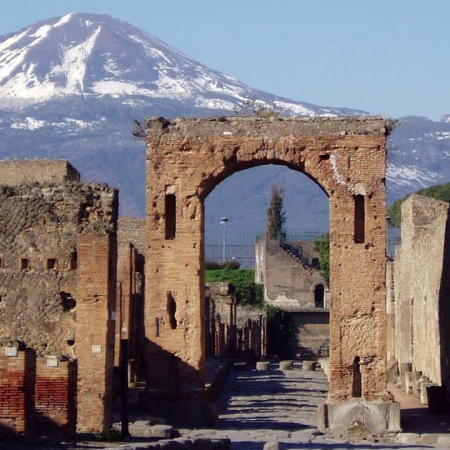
71,87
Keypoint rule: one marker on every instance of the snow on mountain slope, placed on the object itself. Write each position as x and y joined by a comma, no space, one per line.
95,55
71,86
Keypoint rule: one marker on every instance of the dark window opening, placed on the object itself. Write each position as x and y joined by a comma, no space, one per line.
357,378
171,215
70,342
67,301
73,262
25,264
52,264
319,296
171,311
360,224
2,263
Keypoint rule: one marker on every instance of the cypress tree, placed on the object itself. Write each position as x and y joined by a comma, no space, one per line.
275,214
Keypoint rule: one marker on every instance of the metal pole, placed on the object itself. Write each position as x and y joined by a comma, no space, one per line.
223,222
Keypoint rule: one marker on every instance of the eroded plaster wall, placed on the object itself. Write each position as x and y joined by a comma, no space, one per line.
421,288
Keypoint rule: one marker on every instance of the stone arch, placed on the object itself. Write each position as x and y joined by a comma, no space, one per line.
187,158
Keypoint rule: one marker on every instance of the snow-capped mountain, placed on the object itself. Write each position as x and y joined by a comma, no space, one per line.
96,55
71,87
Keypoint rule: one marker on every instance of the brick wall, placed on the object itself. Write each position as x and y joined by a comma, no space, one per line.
97,255
129,308
17,377
55,397
187,158
45,303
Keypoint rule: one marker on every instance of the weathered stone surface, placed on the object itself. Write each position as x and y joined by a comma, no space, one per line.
309,366
41,223
286,365
58,276
360,418
420,309
187,158
262,365
23,172
273,445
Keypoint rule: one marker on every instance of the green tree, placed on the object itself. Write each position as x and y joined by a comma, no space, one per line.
322,246
276,217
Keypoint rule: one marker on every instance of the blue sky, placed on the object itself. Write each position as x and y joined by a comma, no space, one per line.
386,57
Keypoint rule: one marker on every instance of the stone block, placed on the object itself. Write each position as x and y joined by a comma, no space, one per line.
411,379
325,364
286,365
360,417
309,366
424,385
273,445
262,365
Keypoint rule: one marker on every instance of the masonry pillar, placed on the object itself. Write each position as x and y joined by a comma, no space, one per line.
97,255
358,339
175,301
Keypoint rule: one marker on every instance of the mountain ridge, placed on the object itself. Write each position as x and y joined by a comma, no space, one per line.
86,115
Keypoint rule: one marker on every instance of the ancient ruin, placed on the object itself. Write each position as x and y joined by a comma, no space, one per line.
417,301
58,278
290,274
186,159
233,331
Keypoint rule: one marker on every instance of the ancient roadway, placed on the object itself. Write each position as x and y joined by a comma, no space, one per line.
258,407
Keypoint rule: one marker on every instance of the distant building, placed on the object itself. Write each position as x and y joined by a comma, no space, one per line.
292,282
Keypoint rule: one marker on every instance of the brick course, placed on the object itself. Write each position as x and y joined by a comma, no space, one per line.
345,156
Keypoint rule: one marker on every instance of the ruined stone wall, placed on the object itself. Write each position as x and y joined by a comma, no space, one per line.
43,298
15,173
390,310
38,254
233,330
289,284
421,288
313,335
187,158
132,229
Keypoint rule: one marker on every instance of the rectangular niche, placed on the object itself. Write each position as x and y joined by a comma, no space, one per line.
360,219
170,212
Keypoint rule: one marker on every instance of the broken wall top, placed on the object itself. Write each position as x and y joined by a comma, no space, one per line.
17,172
273,127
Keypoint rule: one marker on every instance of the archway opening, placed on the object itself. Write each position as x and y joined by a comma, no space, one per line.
283,270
